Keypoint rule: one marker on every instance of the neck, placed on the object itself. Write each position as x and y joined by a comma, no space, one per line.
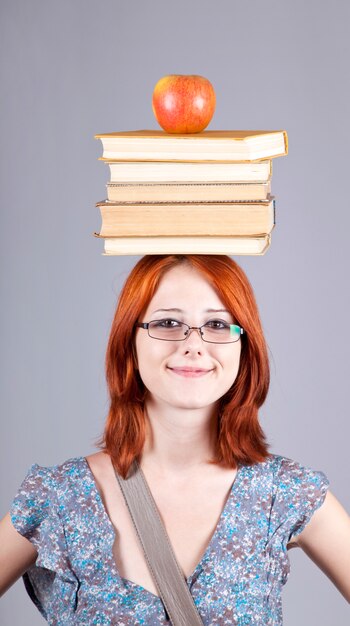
179,441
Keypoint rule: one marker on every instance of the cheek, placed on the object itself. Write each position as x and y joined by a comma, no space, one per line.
151,353
234,361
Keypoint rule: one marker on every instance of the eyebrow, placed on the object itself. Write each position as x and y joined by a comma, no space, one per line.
181,311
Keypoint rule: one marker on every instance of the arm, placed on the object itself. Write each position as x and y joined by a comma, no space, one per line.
326,540
16,554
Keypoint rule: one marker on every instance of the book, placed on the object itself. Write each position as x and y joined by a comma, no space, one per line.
187,219
186,245
177,172
208,145
187,192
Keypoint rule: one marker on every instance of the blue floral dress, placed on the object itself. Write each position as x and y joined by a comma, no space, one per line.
237,582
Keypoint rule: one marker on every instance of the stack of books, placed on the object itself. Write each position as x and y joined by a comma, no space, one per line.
203,193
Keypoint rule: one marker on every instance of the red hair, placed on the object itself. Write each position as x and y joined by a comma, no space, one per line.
240,438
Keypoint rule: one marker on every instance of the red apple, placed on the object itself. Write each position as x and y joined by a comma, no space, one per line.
183,103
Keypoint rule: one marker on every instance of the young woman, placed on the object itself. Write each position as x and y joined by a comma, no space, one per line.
187,371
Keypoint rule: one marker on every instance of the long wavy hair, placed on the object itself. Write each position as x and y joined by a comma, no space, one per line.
240,438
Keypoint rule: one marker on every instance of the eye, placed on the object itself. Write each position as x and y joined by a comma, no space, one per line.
166,323
217,324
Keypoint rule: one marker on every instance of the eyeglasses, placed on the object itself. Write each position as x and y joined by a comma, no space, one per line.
214,331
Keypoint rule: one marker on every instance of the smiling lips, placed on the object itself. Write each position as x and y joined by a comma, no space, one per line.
191,372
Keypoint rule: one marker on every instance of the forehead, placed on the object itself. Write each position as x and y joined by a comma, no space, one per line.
186,288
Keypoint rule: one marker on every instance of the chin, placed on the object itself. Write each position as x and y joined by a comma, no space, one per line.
178,399
192,404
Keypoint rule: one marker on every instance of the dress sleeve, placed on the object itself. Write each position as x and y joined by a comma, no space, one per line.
300,492
35,515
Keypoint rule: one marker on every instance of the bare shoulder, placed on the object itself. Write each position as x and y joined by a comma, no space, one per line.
102,468
99,460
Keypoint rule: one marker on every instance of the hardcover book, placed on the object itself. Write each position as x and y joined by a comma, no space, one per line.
191,219
187,192
186,245
177,172
208,145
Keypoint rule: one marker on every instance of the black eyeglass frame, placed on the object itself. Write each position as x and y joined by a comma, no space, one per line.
145,326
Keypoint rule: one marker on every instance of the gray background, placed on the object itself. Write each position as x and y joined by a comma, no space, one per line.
73,69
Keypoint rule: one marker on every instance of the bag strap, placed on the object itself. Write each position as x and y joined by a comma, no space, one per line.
160,557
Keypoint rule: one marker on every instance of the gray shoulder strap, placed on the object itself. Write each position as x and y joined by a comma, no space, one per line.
160,557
